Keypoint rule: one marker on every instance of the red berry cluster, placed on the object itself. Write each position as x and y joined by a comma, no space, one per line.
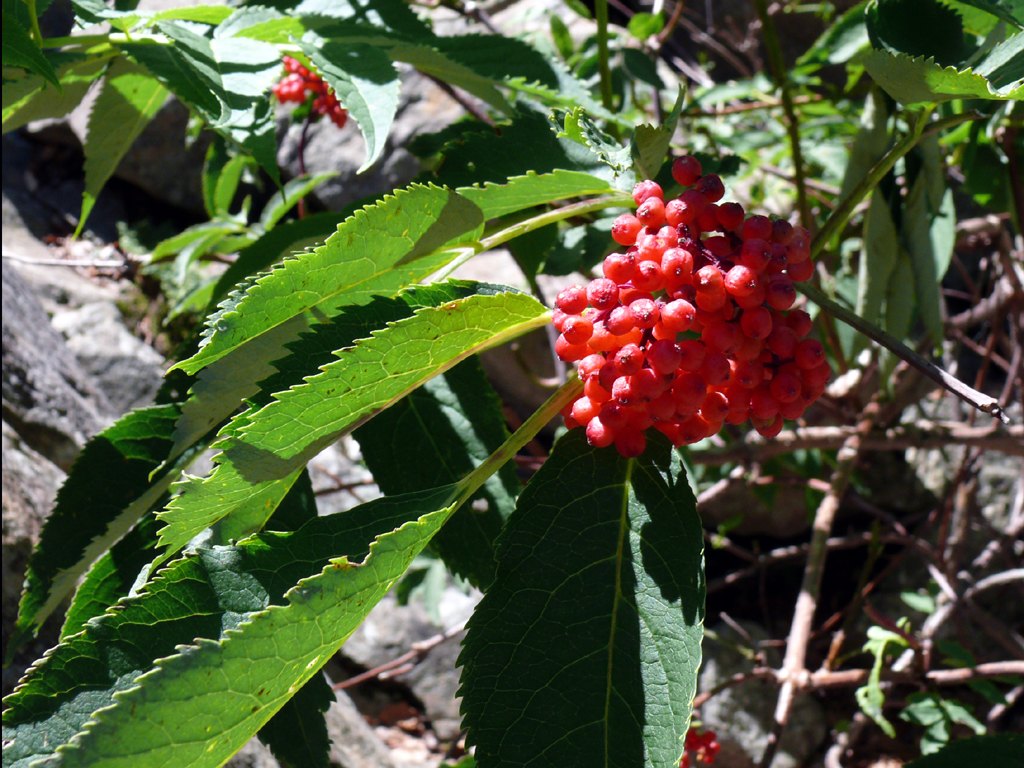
704,747
688,328
300,82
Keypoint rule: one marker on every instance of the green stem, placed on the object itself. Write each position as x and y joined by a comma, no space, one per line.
620,200
780,75
969,395
601,12
840,217
471,483
37,35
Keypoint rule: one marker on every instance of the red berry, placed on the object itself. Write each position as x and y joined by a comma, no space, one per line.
711,186
602,293
757,226
686,170
572,300
577,329
647,189
651,212
598,434
625,229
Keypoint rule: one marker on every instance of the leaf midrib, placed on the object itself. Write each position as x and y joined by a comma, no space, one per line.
616,601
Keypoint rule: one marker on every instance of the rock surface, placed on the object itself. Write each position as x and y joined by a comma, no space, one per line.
742,715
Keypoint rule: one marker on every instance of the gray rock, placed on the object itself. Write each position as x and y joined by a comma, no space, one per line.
422,108
786,516
127,370
50,401
340,479
742,715
30,483
353,743
390,631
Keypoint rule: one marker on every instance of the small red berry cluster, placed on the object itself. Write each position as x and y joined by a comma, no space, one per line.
704,747
688,329
299,83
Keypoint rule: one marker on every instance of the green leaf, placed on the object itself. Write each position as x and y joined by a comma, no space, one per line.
283,240
642,67
217,157
918,28
582,129
194,234
263,448
579,249
226,630
561,36
872,141
878,259
128,99
28,99
20,50
379,250
937,715
1008,10
1003,67
486,156
914,81
645,25
870,696
522,192
919,602
845,38
112,576
449,426
600,591
389,15
106,492
284,199
227,184
1005,750
366,83
650,145
929,230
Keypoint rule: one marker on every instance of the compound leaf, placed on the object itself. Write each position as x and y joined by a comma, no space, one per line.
379,250
599,591
128,99
265,446
234,629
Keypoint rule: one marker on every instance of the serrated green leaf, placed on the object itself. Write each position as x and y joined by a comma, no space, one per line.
389,15
918,28
221,387
217,156
366,83
379,250
1003,67
914,81
449,426
617,157
1008,10
650,145
184,240
872,141
112,576
486,156
285,199
28,99
521,192
579,249
263,448
106,492
1005,750
600,590
878,259
271,247
20,50
128,99
213,645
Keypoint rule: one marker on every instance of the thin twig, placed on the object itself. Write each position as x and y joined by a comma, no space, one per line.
405,662
95,263
968,394
794,664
